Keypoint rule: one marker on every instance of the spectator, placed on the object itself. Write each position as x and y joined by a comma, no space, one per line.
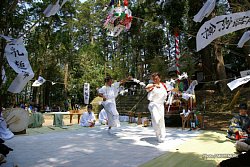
73,103
103,118
88,118
238,123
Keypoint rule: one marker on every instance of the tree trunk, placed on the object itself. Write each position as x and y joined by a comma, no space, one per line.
220,68
207,64
66,76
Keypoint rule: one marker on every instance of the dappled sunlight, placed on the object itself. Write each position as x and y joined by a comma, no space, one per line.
179,159
96,144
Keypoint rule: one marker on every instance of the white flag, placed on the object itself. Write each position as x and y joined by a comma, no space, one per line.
205,11
39,82
236,83
245,37
221,25
20,81
86,93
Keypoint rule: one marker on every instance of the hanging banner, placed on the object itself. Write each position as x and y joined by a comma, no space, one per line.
38,82
52,9
20,81
205,11
245,37
245,73
236,83
17,57
86,93
221,25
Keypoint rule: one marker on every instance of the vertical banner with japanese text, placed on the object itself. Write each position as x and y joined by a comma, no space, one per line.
86,93
221,25
17,57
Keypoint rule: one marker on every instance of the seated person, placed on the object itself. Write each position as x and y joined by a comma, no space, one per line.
242,160
88,118
103,118
243,145
193,121
238,123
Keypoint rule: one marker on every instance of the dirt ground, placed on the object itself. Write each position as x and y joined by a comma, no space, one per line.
48,120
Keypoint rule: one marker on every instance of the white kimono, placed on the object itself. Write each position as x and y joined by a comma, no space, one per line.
110,93
5,133
156,107
103,117
87,118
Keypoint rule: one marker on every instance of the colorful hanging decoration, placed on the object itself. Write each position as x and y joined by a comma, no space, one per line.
118,19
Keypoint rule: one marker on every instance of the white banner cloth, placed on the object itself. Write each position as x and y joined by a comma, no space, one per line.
221,25
240,81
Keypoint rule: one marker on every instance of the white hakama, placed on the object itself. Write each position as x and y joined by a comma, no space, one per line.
110,93
156,107
87,119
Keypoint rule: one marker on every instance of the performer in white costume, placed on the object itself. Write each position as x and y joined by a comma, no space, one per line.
157,93
103,118
88,118
109,92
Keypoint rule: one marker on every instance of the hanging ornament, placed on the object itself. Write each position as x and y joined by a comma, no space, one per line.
118,19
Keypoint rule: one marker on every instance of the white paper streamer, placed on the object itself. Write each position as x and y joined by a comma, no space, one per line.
245,37
20,81
236,83
52,9
205,11
191,88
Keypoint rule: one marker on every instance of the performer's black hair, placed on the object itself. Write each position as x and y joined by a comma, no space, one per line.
90,106
107,79
243,106
156,74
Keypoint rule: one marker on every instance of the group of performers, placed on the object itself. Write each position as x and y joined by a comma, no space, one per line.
157,94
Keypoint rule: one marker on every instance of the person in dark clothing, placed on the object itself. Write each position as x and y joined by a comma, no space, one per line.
241,160
243,144
66,105
73,103
238,123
